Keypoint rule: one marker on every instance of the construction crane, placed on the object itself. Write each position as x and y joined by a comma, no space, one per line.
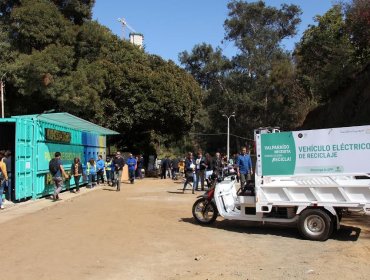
124,25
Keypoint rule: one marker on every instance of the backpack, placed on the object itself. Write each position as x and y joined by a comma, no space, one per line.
53,166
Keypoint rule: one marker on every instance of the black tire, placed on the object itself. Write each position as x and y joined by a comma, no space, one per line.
315,224
204,212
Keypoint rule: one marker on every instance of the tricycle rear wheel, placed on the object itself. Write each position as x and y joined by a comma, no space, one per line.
315,224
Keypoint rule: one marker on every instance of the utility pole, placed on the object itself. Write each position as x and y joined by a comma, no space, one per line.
228,133
2,85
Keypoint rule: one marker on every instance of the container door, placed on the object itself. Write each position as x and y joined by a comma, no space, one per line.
25,162
7,142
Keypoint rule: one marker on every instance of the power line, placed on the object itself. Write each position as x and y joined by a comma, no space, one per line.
221,133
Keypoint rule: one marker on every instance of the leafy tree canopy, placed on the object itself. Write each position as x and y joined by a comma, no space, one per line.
330,52
205,64
77,11
259,84
55,54
266,85
257,30
358,25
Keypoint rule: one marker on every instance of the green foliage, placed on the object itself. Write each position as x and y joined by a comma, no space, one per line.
5,47
265,86
38,71
204,63
78,11
6,7
325,55
56,55
288,104
358,25
259,84
36,24
258,30
93,41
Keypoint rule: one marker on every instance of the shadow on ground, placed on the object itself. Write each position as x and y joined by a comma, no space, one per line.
345,233
178,192
187,191
110,190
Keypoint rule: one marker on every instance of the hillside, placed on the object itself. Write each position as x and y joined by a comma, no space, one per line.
350,107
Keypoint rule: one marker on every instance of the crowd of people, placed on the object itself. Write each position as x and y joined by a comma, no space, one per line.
197,169
97,171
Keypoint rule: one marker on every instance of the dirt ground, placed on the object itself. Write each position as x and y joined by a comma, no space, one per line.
146,231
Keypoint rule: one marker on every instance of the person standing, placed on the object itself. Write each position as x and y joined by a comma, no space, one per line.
131,162
175,168
91,172
244,167
164,166
108,170
217,164
8,162
76,171
3,178
140,165
57,171
200,169
189,171
182,167
169,167
119,163
100,165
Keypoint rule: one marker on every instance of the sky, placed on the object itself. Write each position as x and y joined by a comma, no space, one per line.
172,26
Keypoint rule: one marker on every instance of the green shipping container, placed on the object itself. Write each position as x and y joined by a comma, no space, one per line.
33,140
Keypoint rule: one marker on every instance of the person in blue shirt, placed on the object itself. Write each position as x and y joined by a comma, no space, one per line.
100,167
244,167
131,163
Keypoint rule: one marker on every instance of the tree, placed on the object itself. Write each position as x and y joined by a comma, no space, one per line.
325,55
6,7
38,23
259,84
55,54
257,31
78,11
5,47
333,65
205,64
358,24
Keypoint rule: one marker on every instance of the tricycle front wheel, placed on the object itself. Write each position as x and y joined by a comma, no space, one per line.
204,211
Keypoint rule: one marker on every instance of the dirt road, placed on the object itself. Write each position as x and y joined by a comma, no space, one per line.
146,231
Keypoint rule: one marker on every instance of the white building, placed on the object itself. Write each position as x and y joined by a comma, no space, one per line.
137,39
